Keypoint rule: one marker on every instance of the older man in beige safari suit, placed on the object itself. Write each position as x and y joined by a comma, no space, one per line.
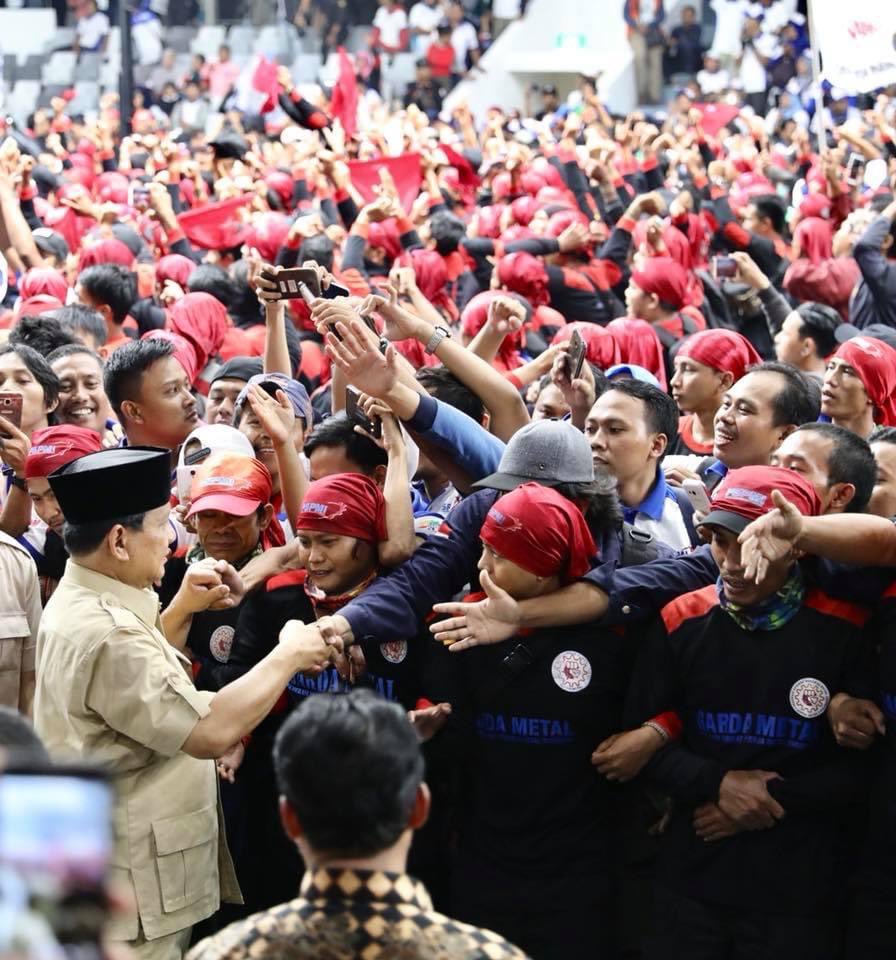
111,689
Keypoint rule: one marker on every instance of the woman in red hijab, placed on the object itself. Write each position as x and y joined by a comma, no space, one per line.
526,747
639,344
816,273
203,321
706,365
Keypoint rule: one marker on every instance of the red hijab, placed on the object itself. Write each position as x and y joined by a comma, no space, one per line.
640,345
203,321
524,274
814,239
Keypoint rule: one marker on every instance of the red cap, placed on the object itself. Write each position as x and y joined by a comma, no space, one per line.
231,483
541,531
54,447
746,493
875,363
722,350
345,504
664,277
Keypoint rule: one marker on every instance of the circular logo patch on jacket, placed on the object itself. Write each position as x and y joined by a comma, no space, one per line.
809,697
571,671
220,642
394,650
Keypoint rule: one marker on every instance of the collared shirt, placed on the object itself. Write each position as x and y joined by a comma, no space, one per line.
19,619
660,514
355,913
111,687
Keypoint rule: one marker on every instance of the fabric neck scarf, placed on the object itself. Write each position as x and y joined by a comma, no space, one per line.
771,614
325,605
196,553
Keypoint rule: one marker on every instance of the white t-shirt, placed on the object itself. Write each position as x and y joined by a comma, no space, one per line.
91,30
729,20
463,39
711,83
390,23
752,72
506,9
425,17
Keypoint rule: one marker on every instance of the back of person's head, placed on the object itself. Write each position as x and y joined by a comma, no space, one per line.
318,248
441,383
19,738
799,400
599,502
213,279
769,206
339,431
660,410
819,322
125,368
349,766
447,231
850,461
80,319
110,284
43,334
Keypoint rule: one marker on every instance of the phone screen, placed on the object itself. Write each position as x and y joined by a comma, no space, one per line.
55,845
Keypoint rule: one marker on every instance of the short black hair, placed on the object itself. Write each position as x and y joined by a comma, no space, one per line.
800,400
770,206
113,285
213,279
819,321
44,334
40,370
441,383
601,510
83,538
339,431
318,248
19,738
447,231
71,350
124,369
661,409
851,461
78,317
350,766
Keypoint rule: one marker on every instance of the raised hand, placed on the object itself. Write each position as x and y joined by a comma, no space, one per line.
476,624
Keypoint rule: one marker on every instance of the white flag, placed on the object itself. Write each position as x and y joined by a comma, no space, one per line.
857,40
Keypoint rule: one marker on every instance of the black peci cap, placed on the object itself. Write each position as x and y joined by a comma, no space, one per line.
229,145
113,483
239,368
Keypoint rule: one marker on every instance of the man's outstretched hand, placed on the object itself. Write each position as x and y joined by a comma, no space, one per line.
769,538
491,620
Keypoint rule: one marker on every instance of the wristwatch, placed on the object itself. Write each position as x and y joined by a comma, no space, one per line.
438,335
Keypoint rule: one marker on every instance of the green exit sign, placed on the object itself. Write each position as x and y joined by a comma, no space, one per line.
571,40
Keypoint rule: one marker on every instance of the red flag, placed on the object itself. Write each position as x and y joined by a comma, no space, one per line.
214,226
714,116
264,81
344,100
405,172
468,176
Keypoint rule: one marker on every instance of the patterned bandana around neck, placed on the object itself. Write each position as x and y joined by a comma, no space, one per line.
325,605
774,612
196,553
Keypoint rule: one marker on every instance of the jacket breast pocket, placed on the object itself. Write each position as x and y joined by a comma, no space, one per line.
187,857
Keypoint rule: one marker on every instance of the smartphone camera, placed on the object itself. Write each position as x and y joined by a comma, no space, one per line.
724,268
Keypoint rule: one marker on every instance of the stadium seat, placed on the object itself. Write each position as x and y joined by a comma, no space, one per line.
87,97
88,67
274,41
207,41
357,38
306,68
179,38
29,66
241,39
27,31
59,68
22,100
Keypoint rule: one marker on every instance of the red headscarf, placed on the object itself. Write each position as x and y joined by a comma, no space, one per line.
524,209
675,242
385,235
203,320
43,280
345,504
601,347
175,267
106,251
472,320
664,277
524,274
432,278
541,531
54,447
267,234
875,363
814,237
722,350
184,351
640,345
488,221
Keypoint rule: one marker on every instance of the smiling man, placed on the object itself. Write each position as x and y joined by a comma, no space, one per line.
760,784
82,399
150,393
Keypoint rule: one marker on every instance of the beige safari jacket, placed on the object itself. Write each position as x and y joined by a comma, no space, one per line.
111,689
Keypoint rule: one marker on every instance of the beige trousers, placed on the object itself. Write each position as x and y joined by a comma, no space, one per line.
172,947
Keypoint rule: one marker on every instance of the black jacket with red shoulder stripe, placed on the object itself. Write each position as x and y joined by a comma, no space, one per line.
754,700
